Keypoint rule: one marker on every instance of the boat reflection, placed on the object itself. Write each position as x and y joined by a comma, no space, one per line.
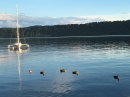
19,70
19,52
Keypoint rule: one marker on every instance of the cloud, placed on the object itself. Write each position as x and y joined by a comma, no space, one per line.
124,16
8,20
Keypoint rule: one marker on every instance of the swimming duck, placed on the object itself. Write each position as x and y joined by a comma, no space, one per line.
75,72
30,71
42,72
62,70
116,77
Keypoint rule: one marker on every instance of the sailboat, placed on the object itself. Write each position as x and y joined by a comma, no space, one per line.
18,44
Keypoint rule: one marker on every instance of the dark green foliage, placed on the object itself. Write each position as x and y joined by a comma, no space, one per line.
88,29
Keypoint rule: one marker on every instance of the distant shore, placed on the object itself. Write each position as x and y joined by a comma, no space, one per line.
99,36
94,29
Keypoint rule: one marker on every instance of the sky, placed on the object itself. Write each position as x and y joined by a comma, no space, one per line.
59,12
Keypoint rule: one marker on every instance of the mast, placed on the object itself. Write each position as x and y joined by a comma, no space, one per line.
18,44
17,32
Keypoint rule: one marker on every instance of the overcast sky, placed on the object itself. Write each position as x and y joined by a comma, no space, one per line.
53,12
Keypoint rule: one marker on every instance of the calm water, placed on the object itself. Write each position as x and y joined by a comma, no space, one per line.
97,61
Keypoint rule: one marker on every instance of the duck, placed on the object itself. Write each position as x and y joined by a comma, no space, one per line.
75,72
62,70
116,77
42,72
30,71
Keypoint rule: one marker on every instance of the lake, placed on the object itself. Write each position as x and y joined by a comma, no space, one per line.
96,59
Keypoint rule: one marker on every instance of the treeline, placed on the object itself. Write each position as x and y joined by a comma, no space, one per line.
88,29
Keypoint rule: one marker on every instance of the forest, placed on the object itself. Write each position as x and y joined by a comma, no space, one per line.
88,29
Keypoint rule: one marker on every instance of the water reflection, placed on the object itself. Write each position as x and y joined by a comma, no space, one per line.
19,52
19,70
97,64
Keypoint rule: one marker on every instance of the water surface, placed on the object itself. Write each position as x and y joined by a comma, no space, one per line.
96,59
